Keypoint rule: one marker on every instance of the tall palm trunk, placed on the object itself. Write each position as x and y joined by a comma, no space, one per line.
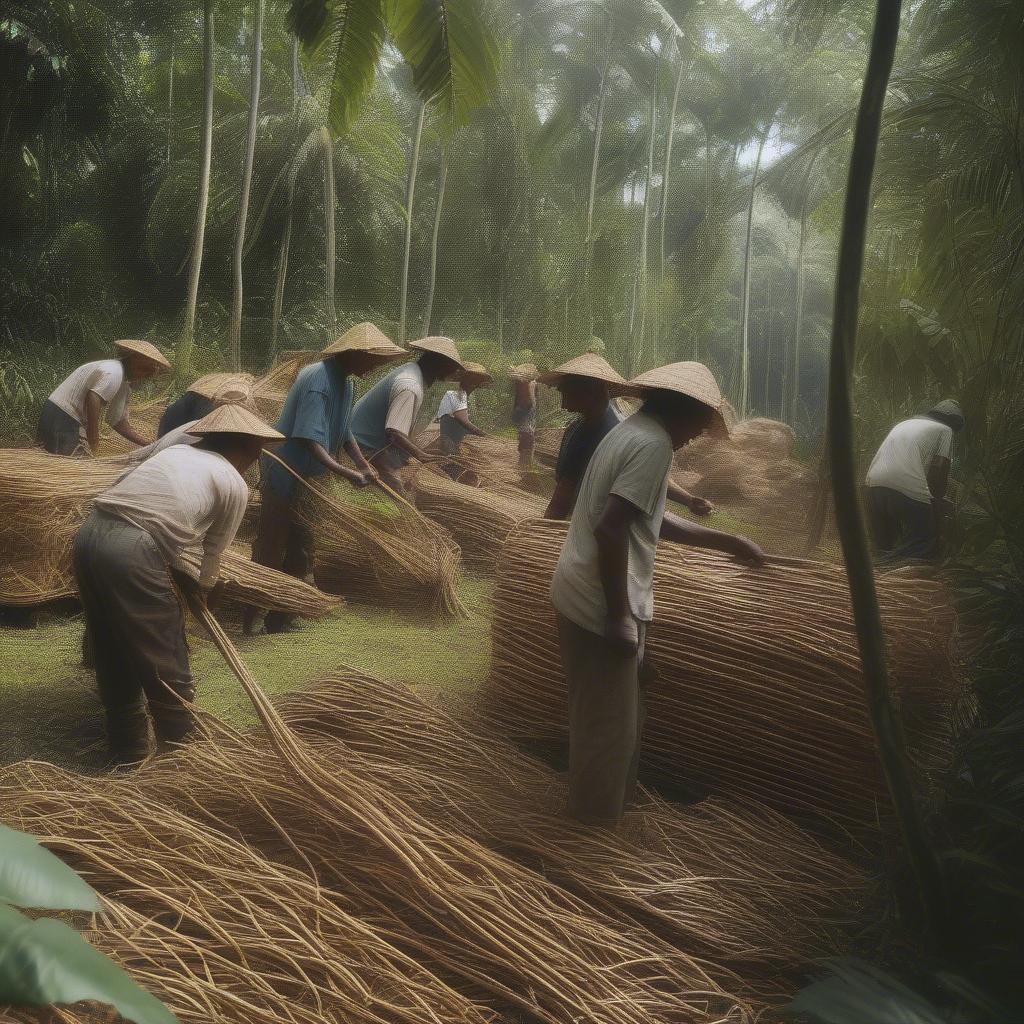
235,332
666,171
410,195
745,324
870,635
636,358
330,235
441,182
184,360
286,232
170,102
707,173
595,160
793,362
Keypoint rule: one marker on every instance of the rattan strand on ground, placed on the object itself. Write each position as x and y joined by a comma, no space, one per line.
759,693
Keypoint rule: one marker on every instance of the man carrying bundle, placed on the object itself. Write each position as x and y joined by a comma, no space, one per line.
524,410
907,481
186,501
602,588
587,384
98,390
383,419
202,397
317,421
453,412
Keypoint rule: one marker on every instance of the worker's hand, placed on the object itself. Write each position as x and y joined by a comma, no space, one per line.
371,475
747,551
213,595
701,506
621,634
356,477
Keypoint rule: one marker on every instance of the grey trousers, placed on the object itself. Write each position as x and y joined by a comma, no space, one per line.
58,432
901,527
606,720
137,628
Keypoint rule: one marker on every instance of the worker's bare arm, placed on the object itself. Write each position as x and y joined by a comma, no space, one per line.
612,537
562,501
698,506
938,476
407,445
126,430
355,453
680,531
463,417
93,416
324,457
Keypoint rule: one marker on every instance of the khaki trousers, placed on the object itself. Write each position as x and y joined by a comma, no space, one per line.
606,719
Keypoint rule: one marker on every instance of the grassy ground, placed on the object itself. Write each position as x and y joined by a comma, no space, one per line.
50,710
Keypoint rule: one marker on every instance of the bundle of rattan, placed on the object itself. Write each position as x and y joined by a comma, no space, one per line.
497,932
495,460
270,390
211,927
44,499
546,443
478,519
370,547
145,417
739,885
759,692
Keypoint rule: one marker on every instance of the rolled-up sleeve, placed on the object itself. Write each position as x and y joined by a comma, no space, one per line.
402,411
232,500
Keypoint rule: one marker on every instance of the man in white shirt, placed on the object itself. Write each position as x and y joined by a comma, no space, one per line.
100,390
384,418
453,412
603,584
907,481
188,500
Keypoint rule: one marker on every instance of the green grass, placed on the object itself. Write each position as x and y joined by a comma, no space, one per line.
50,710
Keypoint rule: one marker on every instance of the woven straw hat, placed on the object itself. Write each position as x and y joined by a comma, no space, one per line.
478,372
591,365
234,419
365,337
224,387
144,349
694,380
523,372
441,346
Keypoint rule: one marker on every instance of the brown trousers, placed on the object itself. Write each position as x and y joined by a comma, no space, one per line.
606,720
283,542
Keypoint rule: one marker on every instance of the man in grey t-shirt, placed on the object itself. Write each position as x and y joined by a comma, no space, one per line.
603,584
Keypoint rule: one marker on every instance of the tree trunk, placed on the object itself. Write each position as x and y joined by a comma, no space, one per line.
184,360
441,182
870,635
595,160
235,332
793,371
768,346
410,195
666,171
330,235
707,175
170,103
636,358
745,324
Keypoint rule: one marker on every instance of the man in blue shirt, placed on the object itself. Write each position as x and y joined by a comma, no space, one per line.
316,420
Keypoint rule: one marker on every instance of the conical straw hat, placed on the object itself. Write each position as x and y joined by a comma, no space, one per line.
224,387
365,337
477,371
523,372
440,346
234,419
694,380
591,365
145,349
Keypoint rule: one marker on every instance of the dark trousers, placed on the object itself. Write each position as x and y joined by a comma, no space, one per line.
137,628
283,542
901,527
606,721
58,432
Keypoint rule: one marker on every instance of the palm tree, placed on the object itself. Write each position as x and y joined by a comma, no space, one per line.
442,181
410,196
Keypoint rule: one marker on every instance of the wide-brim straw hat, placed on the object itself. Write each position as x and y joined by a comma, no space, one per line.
368,338
525,372
592,366
234,419
224,387
694,380
143,348
478,372
439,346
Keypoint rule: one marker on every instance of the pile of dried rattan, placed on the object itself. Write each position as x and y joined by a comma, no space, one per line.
44,499
495,460
479,519
759,690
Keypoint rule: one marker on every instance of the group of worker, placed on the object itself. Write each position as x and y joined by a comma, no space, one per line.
162,528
